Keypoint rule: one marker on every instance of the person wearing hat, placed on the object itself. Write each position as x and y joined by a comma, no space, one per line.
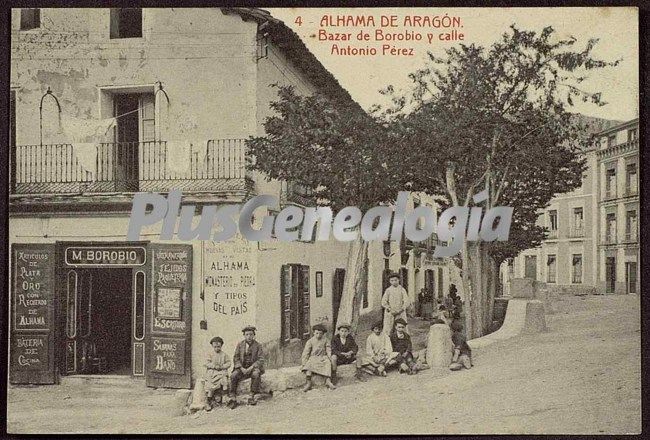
317,358
379,350
395,301
401,342
216,371
248,362
462,352
344,352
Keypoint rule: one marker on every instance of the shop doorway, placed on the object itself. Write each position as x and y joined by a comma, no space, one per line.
98,321
111,317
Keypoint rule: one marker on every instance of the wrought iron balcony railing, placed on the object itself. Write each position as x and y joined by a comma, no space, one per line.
576,232
128,167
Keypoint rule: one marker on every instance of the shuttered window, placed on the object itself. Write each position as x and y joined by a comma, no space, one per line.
295,302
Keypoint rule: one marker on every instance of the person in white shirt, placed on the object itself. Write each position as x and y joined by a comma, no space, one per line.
395,301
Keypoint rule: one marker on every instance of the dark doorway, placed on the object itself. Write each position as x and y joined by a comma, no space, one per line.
124,152
111,318
530,267
610,274
630,277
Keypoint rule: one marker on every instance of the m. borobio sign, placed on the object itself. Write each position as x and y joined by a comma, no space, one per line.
105,256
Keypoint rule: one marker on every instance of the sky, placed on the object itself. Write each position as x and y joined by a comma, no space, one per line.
363,76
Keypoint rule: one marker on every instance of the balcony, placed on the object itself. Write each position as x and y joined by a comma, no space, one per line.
552,234
297,194
630,191
609,239
630,237
609,194
576,232
128,167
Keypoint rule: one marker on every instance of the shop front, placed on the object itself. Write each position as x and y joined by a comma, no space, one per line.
101,308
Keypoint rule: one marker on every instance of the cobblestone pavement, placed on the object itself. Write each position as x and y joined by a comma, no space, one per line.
582,377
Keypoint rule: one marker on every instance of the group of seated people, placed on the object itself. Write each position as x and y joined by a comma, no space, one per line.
322,356
248,362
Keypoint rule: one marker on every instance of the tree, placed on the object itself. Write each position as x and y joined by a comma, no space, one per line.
334,148
495,119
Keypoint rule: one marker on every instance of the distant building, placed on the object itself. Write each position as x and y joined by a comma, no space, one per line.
618,209
585,251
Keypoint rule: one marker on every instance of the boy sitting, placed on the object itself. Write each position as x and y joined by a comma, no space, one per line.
462,351
344,352
401,342
379,350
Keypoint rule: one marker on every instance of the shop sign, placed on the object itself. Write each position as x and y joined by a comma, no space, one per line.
102,256
168,355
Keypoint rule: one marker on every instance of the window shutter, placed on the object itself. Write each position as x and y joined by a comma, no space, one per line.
306,327
285,301
147,117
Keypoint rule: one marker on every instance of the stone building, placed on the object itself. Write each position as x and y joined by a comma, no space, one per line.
171,95
585,251
618,209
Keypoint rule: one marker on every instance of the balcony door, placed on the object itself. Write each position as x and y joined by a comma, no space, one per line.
610,274
133,130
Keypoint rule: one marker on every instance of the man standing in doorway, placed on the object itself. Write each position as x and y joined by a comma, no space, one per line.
248,362
395,301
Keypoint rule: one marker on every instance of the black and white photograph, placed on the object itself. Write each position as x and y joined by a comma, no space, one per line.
323,220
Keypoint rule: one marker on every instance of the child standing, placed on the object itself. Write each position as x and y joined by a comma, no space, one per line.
395,301
216,371
317,358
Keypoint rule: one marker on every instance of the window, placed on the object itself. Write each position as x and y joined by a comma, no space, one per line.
610,227
630,225
139,307
576,263
126,22
610,182
319,284
552,220
632,134
71,305
551,264
578,218
30,18
611,140
630,179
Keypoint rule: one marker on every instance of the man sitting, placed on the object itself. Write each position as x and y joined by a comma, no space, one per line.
248,362
344,352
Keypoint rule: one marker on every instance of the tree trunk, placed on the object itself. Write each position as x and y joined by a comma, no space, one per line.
353,283
475,274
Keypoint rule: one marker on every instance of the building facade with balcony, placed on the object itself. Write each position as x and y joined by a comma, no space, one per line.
109,102
585,249
618,206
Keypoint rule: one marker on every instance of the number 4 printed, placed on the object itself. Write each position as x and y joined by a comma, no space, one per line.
298,20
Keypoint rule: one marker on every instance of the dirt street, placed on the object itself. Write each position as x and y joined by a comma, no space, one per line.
582,377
